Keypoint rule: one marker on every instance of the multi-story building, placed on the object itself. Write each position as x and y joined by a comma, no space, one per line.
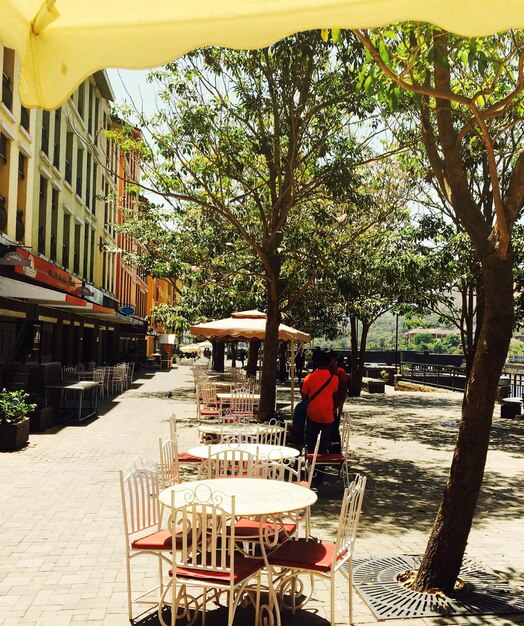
131,282
160,291
61,280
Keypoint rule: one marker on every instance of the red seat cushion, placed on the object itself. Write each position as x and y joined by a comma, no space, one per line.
244,567
161,540
327,458
184,457
304,554
245,528
207,409
303,483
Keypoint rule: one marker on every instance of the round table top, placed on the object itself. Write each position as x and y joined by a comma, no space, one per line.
253,496
259,449
214,428
230,396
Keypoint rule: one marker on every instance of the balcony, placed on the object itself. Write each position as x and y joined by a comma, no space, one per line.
7,92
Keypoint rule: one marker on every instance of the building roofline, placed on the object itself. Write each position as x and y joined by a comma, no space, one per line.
104,86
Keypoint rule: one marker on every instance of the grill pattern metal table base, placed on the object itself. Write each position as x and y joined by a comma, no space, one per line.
485,593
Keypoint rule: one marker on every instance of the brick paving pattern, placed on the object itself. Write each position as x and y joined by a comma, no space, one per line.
61,539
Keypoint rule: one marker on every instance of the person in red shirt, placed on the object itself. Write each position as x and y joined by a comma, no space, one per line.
319,388
339,398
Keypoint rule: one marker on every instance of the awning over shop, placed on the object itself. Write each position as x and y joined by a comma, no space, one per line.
19,290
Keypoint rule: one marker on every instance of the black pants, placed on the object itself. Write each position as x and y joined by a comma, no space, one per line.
335,443
312,430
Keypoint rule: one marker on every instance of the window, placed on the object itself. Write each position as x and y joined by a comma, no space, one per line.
3,148
24,118
56,146
69,158
42,215
45,132
65,238
7,78
21,165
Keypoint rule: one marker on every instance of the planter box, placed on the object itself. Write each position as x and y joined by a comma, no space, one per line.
41,419
14,436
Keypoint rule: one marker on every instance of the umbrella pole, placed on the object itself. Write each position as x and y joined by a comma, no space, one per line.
292,376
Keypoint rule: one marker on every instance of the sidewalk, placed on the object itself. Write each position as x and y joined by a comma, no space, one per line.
61,540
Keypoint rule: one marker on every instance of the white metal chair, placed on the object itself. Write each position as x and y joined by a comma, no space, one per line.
139,488
69,373
118,379
321,558
275,434
242,403
169,467
232,463
130,373
99,376
207,402
206,559
339,460
183,457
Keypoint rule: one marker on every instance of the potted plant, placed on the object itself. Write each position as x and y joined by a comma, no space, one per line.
41,417
14,419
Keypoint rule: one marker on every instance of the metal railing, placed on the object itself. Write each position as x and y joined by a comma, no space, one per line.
454,378
440,376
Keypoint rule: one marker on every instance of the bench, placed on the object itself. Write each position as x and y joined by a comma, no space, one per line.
510,407
373,385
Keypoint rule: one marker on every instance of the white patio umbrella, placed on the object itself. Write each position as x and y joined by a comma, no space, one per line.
246,325
61,42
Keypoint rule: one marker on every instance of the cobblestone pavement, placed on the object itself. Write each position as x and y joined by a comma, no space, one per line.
61,540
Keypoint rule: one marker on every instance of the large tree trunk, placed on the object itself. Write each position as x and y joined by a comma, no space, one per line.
358,352
218,355
282,362
268,381
252,357
447,543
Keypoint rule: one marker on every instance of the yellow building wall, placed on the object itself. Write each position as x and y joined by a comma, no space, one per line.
16,188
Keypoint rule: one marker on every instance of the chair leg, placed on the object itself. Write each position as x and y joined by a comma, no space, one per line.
350,578
332,590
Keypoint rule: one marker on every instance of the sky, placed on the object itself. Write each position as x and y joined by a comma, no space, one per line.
131,86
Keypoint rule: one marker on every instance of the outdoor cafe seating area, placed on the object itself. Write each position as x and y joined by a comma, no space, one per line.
228,521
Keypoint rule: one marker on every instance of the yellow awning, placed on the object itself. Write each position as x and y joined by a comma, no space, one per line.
61,42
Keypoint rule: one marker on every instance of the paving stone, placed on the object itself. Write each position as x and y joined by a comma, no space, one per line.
61,540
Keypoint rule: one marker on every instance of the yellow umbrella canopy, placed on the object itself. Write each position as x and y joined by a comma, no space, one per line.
61,42
243,326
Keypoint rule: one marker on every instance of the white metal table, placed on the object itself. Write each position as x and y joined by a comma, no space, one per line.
214,428
267,451
254,497
76,409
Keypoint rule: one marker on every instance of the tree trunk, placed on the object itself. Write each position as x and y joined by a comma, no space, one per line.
443,557
252,357
268,381
218,355
355,387
282,362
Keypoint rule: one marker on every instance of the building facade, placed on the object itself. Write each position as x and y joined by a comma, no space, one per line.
64,290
